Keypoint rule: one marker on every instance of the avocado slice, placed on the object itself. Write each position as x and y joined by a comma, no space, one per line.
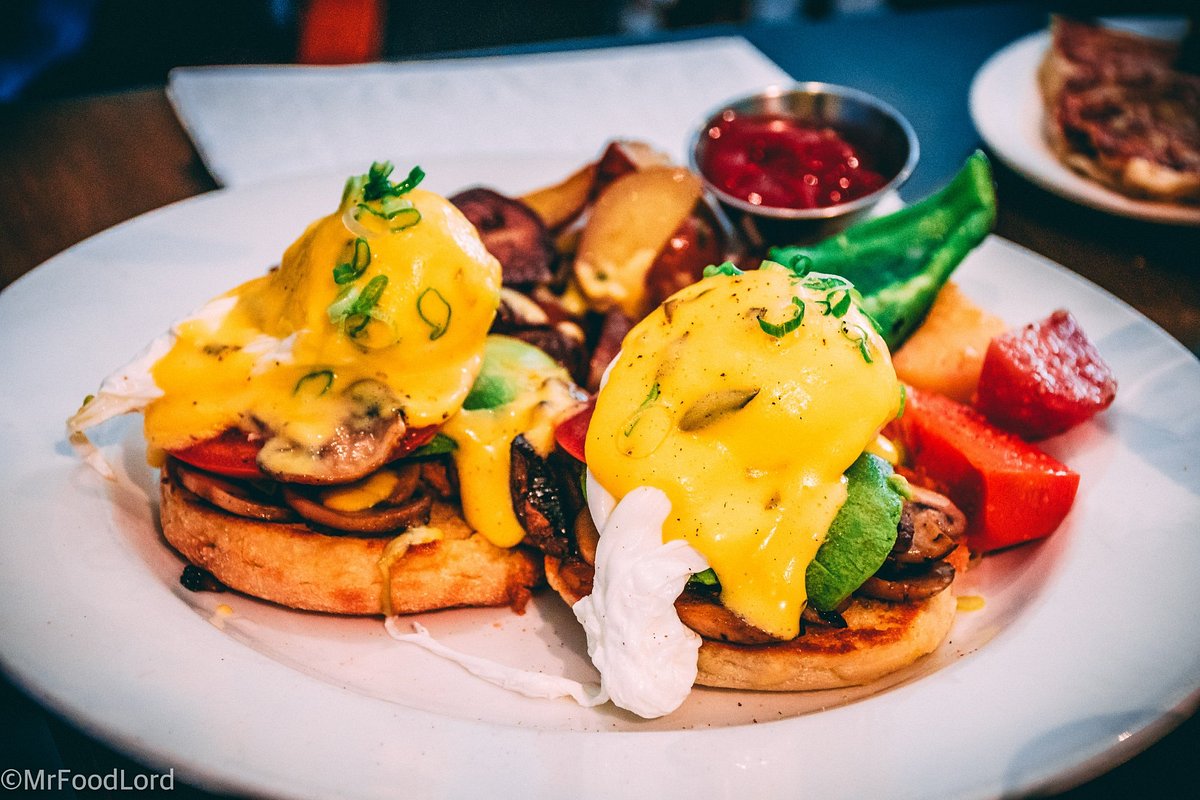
861,536
507,363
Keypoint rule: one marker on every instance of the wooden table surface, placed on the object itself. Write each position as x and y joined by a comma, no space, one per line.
70,169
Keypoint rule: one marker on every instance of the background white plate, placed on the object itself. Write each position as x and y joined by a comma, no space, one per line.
1006,107
1077,661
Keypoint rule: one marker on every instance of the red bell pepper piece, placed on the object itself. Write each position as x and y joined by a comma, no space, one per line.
571,434
1043,379
1010,491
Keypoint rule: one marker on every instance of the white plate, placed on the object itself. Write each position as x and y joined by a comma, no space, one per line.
1077,661
1006,107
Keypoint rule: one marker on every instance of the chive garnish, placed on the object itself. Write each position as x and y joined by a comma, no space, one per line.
864,346
903,400
799,264
836,307
726,268
353,308
783,329
434,312
378,186
360,259
370,295
315,382
823,283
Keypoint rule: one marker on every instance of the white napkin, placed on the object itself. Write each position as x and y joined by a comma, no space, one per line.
258,123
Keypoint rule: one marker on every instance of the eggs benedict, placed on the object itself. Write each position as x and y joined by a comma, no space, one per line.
739,430
335,434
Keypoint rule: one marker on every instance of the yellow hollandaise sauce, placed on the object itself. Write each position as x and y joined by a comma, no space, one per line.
522,391
744,398
402,302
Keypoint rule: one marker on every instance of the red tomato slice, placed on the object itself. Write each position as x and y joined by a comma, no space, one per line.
1010,491
1043,379
234,454
414,438
571,434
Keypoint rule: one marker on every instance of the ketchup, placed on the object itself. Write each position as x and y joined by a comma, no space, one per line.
776,161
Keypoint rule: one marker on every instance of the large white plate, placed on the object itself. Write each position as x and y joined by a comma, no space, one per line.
1006,107
1077,661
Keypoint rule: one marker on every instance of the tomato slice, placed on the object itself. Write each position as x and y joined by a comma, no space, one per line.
571,434
234,453
414,438
1011,491
1044,379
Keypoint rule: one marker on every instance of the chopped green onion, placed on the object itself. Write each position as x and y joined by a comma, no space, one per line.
706,579
342,304
864,346
822,283
903,400
415,176
787,327
315,382
651,396
359,261
370,295
354,309
799,264
434,312
726,268
838,307
440,444
377,185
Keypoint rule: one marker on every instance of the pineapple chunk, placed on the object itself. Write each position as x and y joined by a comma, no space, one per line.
945,354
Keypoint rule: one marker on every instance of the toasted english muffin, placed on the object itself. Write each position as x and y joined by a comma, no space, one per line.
291,564
879,638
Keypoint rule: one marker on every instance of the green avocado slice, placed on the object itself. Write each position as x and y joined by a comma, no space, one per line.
861,536
506,364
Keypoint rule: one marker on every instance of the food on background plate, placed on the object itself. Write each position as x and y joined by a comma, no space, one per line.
1118,110
335,435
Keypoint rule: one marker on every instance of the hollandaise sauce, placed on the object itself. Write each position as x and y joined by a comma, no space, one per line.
521,391
394,291
744,398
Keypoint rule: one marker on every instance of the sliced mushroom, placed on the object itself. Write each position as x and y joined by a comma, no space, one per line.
241,498
931,526
544,496
364,441
384,518
707,617
587,538
830,619
439,475
909,585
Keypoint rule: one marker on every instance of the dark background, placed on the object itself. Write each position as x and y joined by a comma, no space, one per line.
62,48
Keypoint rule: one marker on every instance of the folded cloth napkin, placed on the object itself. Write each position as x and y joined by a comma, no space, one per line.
253,124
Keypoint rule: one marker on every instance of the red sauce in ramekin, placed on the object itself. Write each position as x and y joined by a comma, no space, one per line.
777,161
